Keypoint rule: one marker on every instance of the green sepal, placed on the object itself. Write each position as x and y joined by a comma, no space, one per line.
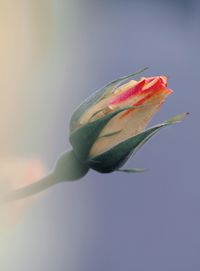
84,137
115,157
96,96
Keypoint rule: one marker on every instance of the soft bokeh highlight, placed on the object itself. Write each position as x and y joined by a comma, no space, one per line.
16,173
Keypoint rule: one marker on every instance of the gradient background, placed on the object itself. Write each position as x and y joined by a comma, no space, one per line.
54,53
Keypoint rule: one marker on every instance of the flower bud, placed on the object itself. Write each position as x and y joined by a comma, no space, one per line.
110,125
105,130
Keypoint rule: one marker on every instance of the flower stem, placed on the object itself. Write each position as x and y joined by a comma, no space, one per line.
31,189
67,168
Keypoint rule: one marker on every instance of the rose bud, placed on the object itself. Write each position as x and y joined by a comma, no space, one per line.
110,125
106,129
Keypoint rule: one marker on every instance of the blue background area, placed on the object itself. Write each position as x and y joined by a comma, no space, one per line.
139,222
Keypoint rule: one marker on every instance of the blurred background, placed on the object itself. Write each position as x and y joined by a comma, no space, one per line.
54,53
